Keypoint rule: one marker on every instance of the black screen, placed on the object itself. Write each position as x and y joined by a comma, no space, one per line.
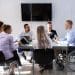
26,12
36,12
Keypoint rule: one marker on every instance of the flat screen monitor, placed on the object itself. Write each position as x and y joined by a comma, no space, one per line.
36,12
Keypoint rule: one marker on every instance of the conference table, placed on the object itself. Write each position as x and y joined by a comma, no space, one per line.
58,49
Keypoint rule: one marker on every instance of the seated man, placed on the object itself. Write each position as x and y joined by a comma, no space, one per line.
69,39
27,34
52,33
25,38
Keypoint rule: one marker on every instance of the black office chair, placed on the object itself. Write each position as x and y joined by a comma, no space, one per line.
44,57
2,59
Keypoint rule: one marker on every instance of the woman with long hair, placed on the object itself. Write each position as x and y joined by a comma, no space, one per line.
43,41
41,46
42,38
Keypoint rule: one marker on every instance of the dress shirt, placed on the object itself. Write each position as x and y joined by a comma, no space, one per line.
69,38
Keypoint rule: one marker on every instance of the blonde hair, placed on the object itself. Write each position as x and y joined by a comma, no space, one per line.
43,42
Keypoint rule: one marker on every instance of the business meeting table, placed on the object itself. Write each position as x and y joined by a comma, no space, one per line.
57,50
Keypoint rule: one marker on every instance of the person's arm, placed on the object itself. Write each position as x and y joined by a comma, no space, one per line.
35,44
49,41
67,40
56,34
11,43
19,38
31,36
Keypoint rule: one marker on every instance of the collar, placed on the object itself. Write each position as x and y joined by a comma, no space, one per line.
69,30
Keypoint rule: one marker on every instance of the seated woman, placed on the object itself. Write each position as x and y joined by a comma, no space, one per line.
41,46
7,46
43,41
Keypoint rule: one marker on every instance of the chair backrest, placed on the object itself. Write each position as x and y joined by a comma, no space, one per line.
2,58
43,56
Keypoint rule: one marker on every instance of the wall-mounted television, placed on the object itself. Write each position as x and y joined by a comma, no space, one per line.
36,11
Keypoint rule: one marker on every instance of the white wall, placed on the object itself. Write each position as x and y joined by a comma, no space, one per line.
63,10
10,13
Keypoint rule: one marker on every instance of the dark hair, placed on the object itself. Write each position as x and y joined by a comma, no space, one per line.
5,27
49,22
28,27
25,25
69,21
1,24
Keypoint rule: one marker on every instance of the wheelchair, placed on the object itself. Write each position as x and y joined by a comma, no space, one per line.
71,59
65,59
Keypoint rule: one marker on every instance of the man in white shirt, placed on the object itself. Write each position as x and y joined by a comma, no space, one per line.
25,39
27,33
69,39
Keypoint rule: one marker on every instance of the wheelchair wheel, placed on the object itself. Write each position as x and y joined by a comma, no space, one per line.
60,62
71,61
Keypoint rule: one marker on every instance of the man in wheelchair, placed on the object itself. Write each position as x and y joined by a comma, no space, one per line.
69,40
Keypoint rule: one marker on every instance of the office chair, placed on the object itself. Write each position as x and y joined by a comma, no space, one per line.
2,59
44,57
